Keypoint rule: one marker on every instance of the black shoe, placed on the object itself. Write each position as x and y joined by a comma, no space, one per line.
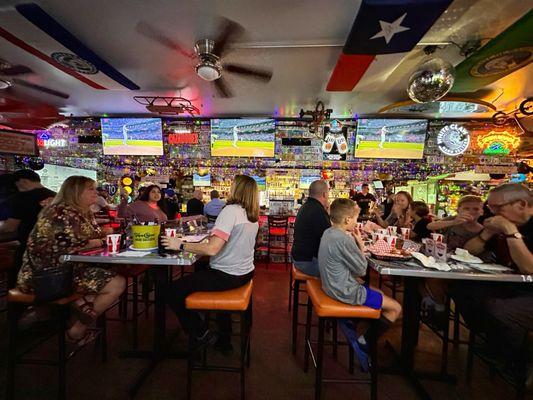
209,338
224,347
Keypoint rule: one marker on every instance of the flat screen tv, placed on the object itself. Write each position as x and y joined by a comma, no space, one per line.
132,136
390,138
305,181
261,182
378,185
201,180
243,137
53,176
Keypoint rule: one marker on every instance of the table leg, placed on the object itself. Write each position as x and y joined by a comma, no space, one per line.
410,327
158,352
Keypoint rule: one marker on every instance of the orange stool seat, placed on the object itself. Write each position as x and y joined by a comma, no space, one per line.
326,307
17,296
230,300
300,276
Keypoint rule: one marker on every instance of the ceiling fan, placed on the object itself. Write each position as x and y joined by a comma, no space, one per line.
8,79
208,54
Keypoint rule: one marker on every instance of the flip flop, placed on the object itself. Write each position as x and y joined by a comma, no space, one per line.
89,336
85,312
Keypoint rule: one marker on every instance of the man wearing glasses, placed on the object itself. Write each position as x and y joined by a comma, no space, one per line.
503,311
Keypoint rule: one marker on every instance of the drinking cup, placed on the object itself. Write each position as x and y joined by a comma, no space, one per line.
406,233
437,237
391,230
170,232
113,243
391,240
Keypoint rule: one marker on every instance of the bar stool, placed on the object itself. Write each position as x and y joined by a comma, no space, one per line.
297,279
278,229
17,302
237,301
327,308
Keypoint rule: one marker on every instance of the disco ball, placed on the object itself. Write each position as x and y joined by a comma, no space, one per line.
431,80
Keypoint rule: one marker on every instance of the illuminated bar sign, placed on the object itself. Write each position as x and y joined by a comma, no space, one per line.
183,138
45,140
498,143
12,142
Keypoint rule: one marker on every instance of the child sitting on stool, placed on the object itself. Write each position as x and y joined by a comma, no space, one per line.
342,264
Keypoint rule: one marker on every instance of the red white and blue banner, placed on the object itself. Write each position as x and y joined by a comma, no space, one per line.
32,29
389,28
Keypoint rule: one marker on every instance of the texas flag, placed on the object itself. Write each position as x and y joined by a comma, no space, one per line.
31,28
382,27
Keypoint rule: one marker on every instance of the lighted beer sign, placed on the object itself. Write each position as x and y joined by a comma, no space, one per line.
44,140
498,143
183,138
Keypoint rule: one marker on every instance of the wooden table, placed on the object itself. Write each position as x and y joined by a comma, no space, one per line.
160,265
413,273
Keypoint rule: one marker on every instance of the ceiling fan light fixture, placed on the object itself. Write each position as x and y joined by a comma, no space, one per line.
4,84
208,71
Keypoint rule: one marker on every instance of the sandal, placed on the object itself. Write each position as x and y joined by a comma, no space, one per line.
89,336
85,312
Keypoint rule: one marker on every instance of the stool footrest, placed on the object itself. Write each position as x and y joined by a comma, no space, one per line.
215,368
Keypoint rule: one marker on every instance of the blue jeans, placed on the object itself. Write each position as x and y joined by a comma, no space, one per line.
308,267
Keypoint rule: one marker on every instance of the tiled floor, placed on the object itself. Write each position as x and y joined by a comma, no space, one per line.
274,372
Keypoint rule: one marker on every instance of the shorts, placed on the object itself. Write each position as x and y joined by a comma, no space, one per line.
374,299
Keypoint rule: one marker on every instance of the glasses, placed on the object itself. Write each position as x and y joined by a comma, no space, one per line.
497,207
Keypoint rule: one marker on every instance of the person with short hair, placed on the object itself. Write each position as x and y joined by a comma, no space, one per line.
26,205
231,248
459,229
342,265
311,222
213,208
364,199
503,310
195,205
65,227
419,212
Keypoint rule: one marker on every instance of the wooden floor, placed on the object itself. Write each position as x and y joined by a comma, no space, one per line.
274,372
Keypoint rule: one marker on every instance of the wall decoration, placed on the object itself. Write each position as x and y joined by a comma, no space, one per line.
12,142
498,142
453,140
335,145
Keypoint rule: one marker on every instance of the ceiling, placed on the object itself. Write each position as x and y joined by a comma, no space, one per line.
300,40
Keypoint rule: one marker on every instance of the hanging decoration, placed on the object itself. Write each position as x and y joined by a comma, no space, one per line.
431,80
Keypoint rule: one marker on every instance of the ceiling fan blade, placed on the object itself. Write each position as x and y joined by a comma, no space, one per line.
15,70
41,88
251,72
153,34
229,31
222,88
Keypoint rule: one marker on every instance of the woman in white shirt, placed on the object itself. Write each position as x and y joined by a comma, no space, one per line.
231,248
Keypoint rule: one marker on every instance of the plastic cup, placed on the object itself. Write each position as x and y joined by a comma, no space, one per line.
437,237
391,230
170,232
406,233
113,243
391,240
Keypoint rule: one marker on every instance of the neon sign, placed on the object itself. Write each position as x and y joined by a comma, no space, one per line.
183,138
498,143
44,140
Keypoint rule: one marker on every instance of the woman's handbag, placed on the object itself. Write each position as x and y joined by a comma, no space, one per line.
52,283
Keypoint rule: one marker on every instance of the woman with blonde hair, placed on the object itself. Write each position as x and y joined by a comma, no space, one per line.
231,248
65,227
